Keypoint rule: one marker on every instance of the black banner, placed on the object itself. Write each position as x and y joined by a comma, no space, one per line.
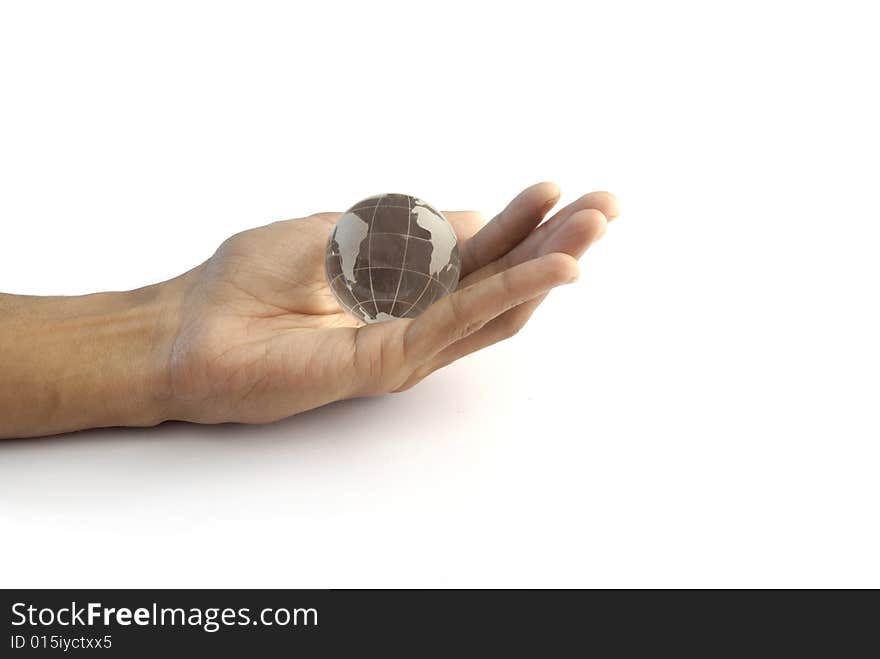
265,622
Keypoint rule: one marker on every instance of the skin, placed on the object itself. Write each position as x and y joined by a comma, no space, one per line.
254,334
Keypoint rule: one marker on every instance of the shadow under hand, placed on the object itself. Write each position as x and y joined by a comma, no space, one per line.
187,473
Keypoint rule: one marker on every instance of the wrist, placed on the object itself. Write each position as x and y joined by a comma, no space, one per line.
70,363
156,384
152,315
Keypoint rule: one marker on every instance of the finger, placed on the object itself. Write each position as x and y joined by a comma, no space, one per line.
509,227
571,235
586,227
465,223
467,310
496,330
604,202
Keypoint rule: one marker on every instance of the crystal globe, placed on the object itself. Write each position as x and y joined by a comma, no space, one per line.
391,256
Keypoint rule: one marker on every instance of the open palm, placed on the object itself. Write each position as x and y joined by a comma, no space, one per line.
261,336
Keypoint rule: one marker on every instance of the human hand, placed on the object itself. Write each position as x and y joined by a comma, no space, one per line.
260,336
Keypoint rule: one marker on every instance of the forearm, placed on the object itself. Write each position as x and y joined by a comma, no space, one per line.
68,363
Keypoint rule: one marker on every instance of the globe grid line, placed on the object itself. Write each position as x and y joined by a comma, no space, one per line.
415,272
418,299
386,299
370,255
402,260
367,207
346,280
402,235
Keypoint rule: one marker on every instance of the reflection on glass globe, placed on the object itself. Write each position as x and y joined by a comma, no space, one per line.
391,256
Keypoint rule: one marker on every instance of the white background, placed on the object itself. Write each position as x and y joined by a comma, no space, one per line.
701,409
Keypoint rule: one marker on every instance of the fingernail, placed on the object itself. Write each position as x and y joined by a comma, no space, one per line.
550,203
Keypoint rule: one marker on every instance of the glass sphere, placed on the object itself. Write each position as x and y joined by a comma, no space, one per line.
391,256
